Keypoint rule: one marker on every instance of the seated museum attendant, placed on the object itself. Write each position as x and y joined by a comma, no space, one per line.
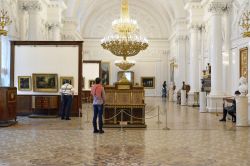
67,93
231,110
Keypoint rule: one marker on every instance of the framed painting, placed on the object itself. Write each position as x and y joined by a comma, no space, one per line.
148,82
244,62
105,72
128,74
64,80
24,83
45,82
91,83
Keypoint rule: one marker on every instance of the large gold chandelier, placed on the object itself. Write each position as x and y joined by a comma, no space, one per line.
4,21
125,40
245,23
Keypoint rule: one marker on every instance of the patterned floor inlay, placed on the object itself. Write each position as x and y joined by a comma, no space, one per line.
194,139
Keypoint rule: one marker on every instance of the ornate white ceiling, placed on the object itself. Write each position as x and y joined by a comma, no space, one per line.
155,17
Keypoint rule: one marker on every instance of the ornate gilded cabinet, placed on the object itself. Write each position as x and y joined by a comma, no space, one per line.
125,103
7,103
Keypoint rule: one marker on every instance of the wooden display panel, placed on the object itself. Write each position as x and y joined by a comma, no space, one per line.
7,103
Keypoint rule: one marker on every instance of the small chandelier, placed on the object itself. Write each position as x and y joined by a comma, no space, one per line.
245,23
124,64
4,21
125,40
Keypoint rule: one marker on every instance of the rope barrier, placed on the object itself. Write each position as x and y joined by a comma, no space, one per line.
140,118
123,111
114,116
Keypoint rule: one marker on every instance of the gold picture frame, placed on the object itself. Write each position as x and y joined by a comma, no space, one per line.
66,79
45,82
24,83
148,82
128,74
91,83
244,62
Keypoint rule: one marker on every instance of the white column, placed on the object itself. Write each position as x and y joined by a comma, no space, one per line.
216,50
194,59
54,31
34,9
215,102
228,53
22,25
181,61
23,15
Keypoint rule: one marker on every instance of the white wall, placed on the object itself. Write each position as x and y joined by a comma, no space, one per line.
61,60
89,71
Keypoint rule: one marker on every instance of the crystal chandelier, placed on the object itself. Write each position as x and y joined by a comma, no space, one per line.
245,23
125,40
4,21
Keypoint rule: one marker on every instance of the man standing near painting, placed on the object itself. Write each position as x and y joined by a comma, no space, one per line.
67,93
98,100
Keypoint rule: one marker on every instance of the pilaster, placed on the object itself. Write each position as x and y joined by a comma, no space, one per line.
23,19
34,9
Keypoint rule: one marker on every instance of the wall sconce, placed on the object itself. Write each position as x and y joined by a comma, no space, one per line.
245,23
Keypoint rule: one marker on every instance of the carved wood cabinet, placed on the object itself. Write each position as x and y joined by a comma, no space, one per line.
8,103
45,103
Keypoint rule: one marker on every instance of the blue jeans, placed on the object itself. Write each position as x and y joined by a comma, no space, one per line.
66,106
97,112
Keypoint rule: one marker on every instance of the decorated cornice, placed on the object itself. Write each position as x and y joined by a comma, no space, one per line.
181,38
193,5
70,20
219,7
228,8
53,24
34,5
196,26
23,5
57,4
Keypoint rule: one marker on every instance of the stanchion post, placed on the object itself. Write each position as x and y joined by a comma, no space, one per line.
216,109
87,115
166,127
121,122
158,115
80,118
